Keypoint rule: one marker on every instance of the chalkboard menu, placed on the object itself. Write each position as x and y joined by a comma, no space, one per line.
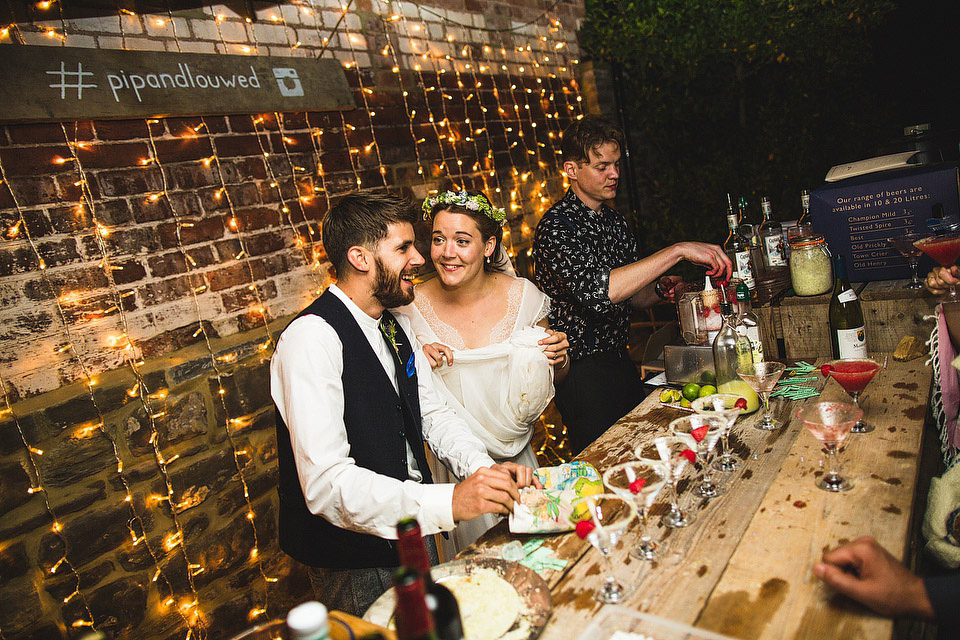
62,83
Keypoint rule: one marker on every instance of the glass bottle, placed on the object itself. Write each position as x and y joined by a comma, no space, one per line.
848,333
730,348
412,617
748,322
771,237
805,208
737,249
443,606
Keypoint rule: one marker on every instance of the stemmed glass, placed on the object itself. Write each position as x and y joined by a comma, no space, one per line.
945,249
702,435
640,481
673,456
853,374
830,422
905,245
762,378
724,409
609,516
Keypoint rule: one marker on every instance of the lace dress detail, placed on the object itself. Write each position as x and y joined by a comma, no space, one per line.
500,331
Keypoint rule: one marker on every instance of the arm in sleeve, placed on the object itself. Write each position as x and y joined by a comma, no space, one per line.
306,386
570,266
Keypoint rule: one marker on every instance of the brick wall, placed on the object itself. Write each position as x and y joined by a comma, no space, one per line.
148,265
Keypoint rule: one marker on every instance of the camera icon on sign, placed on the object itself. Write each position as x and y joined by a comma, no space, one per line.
288,81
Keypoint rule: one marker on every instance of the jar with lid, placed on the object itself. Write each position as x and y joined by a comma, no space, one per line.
810,268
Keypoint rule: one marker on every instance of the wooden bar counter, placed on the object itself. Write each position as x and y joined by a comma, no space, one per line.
743,569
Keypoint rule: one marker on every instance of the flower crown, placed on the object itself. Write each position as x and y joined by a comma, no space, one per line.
463,199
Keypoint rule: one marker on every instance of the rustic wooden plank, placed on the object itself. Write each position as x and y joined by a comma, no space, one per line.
767,589
68,83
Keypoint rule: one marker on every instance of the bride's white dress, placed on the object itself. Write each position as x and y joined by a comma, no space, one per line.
499,390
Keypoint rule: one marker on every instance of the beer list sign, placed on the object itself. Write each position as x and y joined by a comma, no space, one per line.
859,215
60,83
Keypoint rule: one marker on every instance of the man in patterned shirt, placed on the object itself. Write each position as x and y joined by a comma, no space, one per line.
589,264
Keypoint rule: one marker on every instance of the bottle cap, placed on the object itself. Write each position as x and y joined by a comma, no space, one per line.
707,283
308,620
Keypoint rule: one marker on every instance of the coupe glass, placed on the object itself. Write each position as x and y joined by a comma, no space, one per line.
723,409
905,246
702,435
640,481
610,515
853,374
762,378
669,452
945,249
830,422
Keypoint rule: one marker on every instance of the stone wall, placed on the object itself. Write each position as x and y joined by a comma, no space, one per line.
148,266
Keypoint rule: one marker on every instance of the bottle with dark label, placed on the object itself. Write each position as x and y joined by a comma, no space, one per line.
771,237
412,617
440,600
738,248
847,330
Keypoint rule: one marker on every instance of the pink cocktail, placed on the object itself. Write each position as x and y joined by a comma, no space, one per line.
945,250
853,375
830,422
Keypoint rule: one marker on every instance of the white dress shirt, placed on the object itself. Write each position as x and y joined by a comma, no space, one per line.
306,385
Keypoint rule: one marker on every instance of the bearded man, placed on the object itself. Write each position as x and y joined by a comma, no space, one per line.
353,415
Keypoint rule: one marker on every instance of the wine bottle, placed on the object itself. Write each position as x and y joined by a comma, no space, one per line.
440,600
737,248
771,237
847,331
412,616
748,322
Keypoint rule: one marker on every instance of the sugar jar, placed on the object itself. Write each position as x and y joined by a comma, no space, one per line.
810,268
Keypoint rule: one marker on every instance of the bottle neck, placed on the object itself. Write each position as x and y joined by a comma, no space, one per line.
411,549
731,221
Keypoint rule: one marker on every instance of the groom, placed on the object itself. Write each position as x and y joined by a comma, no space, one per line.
353,414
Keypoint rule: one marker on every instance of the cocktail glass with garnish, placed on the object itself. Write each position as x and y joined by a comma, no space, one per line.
904,244
724,409
853,374
702,435
608,517
762,378
830,422
640,481
945,249
672,454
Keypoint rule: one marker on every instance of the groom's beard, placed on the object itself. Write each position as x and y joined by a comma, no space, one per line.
387,287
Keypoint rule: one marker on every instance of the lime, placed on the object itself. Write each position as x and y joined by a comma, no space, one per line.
707,390
684,403
707,377
691,391
669,395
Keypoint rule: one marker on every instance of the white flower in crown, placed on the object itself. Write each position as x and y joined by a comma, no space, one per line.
463,199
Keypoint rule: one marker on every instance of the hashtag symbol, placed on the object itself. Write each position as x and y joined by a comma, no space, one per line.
76,78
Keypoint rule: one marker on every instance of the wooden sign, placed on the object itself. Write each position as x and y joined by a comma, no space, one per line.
59,83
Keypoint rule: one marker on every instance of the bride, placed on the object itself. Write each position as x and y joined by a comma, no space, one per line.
485,332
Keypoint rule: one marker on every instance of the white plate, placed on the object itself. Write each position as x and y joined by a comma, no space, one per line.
534,593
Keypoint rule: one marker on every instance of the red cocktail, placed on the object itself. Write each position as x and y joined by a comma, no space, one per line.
944,249
853,375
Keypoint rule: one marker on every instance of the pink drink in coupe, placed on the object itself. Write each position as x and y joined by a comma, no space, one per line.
943,249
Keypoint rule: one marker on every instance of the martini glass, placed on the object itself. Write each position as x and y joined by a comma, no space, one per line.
723,409
640,481
762,378
702,435
905,245
853,374
609,516
672,454
945,249
830,422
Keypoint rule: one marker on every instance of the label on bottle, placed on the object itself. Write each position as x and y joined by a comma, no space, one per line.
742,268
852,342
773,247
847,296
753,333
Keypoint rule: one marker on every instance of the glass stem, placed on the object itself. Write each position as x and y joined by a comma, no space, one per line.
834,466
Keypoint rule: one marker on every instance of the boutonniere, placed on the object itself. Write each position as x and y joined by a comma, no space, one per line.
389,330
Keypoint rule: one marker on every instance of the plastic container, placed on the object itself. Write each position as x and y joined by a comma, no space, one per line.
810,269
621,619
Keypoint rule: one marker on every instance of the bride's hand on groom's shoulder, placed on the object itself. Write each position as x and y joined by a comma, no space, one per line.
437,354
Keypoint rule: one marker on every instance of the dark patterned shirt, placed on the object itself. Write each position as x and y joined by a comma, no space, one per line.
574,249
